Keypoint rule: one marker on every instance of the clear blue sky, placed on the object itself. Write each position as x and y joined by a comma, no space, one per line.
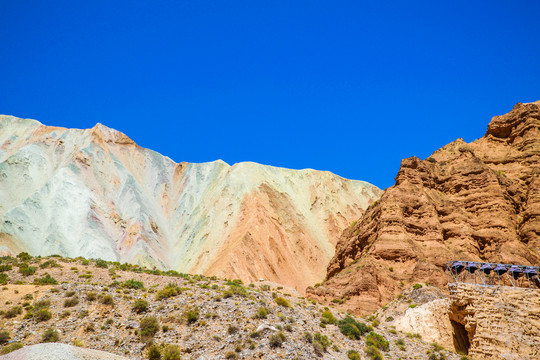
346,86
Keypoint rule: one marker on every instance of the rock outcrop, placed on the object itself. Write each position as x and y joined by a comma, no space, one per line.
497,322
95,193
472,201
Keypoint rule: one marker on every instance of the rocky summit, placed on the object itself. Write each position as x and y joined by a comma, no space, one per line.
95,193
477,201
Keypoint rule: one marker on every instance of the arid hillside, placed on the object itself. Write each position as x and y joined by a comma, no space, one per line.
95,193
471,201
144,314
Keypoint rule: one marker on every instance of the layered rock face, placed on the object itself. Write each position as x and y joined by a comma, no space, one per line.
95,193
495,322
478,201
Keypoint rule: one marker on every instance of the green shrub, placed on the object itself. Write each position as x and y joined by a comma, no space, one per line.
417,286
328,318
69,293
12,312
435,352
5,267
28,297
26,270
24,256
171,352
139,306
45,280
11,347
3,279
133,284
262,313
282,302
91,296
107,300
322,340
49,264
50,335
277,340
400,344
168,291
42,304
154,353
353,355
101,264
42,315
352,328
148,327
235,289
191,315
373,353
4,337
230,355
378,341
70,302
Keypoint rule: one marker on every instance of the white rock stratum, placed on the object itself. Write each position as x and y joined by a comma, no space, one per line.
95,193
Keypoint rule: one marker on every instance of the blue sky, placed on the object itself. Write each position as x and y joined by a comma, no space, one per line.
346,86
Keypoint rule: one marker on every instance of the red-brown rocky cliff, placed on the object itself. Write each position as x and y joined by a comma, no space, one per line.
472,201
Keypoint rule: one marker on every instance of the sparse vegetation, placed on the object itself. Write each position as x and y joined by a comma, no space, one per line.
148,327
4,337
322,341
139,306
13,311
3,278
133,284
413,336
168,291
226,321
191,315
171,352
352,328
26,270
46,279
417,286
377,340
282,301
70,302
353,355
436,352
328,318
101,264
50,335
373,353
262,313
277,339
11,347
107,300
154,353
91,296
42,315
